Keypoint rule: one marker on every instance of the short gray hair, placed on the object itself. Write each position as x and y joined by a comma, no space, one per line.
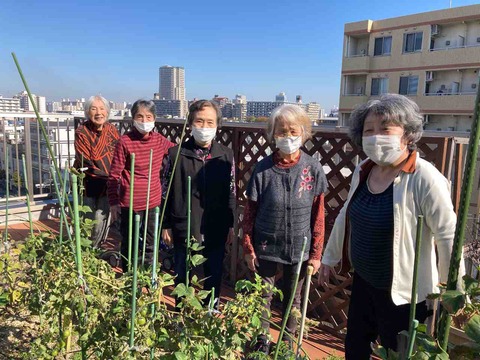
149,105
89,103
290,113
393,109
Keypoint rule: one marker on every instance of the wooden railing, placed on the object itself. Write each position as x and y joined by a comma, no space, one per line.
333,148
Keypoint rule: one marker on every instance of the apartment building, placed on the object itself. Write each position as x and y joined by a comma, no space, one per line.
432,57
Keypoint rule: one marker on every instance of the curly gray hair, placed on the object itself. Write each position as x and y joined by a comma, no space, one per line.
393,109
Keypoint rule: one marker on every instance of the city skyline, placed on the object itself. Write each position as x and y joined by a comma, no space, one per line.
256,49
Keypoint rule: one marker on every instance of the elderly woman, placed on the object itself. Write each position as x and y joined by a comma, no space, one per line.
285,205
377,225
95,143
140,141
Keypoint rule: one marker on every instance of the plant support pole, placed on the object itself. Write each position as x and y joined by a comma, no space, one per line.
189,205
134,282
304,309
76,220
28,196
413,324
7,193
130,210
154,269
62,203
40,123
63,216
465,195
290,302
145,222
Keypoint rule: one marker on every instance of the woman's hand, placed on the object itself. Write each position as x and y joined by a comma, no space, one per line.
315,264
325,272
167,237
114,213
251,261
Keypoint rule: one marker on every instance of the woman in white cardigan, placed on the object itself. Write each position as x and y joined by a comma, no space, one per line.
375,230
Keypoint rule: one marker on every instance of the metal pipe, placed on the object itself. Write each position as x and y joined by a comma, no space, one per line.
30,222
304,308
466,194
145,222
292,296
130,210
134,282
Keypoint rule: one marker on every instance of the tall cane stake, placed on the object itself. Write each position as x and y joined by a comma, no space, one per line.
130,210
290,302
7,193
466,194
145,222
63,216
30,221
304,309
134,282
154,269
189,205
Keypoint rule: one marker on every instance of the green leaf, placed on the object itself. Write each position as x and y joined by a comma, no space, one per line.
256,321
381,352
180,290
426,343
180,356
470,283
198,259
472,328
453,300
422,328
433,296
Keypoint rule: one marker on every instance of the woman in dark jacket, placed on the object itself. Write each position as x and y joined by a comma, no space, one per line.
212,170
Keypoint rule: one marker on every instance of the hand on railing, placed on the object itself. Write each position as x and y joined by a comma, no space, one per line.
252,262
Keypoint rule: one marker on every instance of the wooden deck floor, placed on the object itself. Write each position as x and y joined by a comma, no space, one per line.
319,345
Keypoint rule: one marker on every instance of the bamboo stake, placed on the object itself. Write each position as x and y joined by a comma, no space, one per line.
62,203
290,302
130,210
78,246
145,222
63,215
304,308
413,324
134,283
40,123
466,194
154,269
7,193
189,204
27,195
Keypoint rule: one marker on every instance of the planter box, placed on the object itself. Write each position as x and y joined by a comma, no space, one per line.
458,337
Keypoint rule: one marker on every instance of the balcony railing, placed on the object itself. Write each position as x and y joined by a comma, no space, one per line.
455,47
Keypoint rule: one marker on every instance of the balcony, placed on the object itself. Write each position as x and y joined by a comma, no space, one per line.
328,303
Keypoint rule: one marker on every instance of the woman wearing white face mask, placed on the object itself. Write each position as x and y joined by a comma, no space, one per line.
140,141
285,204
212,169
375,230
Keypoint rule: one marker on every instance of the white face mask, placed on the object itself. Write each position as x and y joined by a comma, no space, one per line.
203,135
289,144
383,150
144,127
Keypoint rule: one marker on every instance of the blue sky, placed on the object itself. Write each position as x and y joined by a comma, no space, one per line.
257,48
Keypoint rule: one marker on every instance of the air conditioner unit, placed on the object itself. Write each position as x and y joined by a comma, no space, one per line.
435,29
429,76
447,43
478,39
363,52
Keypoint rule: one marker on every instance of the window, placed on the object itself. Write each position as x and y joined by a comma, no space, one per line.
379,86
383,46
412,42
408,85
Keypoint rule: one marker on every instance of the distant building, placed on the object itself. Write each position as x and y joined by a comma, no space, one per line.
298,99
171,108
432,57
281,97
26,104
171,83
240,107
313,111
9,104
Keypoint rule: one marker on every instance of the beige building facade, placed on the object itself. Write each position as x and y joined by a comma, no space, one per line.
432,57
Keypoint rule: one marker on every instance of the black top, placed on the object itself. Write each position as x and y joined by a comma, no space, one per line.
371,229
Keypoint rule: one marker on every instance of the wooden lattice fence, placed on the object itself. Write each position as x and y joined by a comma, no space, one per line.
333,148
